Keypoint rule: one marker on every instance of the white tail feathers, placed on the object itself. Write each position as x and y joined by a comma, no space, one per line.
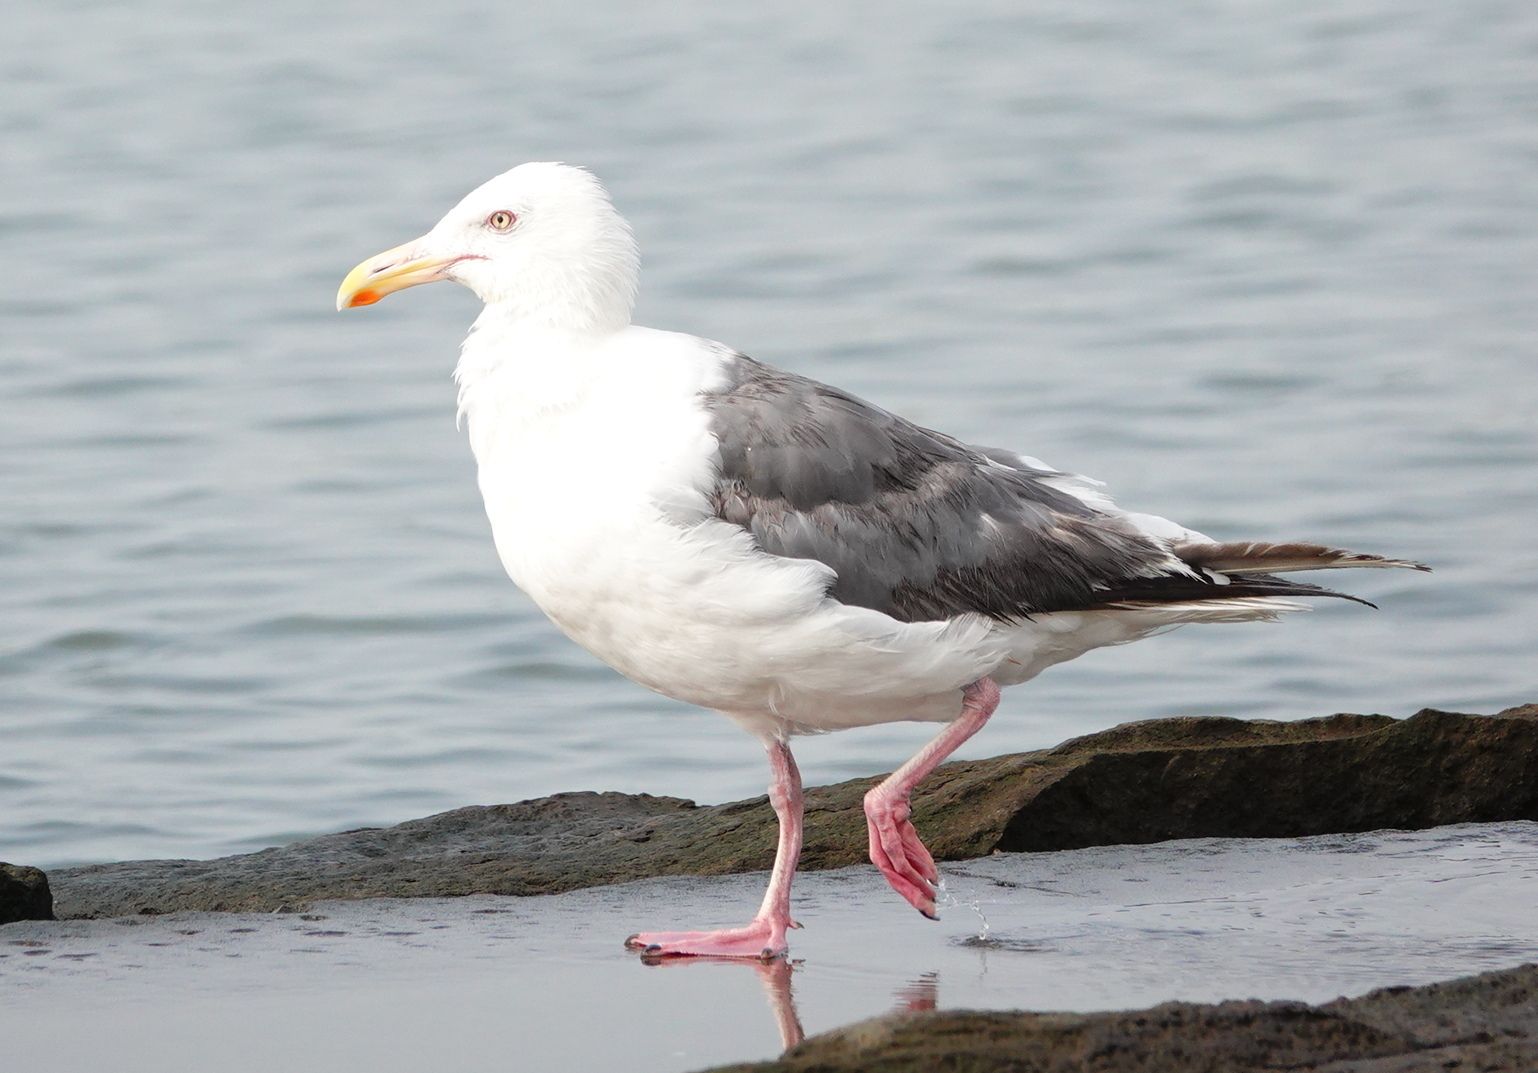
1246,555
1234,609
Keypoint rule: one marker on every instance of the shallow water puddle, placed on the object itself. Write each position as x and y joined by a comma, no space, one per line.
543,983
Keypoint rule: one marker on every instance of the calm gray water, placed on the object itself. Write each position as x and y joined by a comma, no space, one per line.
1267,268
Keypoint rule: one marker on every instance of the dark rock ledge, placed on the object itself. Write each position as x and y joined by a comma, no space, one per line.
1487,1023
1142,782
24,894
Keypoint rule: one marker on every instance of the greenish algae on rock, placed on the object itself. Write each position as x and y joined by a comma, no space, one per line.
1137,783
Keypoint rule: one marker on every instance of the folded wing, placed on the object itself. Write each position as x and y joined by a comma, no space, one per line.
921,527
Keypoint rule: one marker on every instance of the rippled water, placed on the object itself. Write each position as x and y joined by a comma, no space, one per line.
521,983
1269,269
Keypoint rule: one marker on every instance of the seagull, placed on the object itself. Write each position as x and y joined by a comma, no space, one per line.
776,549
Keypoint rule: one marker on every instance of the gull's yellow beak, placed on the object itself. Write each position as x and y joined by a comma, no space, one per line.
391,271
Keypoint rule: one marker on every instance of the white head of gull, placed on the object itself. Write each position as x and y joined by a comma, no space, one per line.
773,548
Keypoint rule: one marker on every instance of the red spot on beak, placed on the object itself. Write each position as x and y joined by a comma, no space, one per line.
364,298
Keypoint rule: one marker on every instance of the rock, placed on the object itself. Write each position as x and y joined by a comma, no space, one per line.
24,894
1141,782
1487,1023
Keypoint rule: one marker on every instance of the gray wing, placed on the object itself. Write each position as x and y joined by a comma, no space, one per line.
914,523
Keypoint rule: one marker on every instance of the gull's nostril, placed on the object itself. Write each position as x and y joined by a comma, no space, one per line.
382,268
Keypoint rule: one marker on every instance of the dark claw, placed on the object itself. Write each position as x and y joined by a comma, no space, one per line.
930,914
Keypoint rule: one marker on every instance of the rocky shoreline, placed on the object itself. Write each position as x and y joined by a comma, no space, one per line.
1137,783
1487,1023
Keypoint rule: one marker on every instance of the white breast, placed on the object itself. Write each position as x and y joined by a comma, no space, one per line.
594,472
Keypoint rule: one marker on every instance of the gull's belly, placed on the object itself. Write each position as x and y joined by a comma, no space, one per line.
687,611
698,613
606,526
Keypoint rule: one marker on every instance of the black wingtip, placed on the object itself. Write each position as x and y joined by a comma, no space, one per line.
1176,588
1341,596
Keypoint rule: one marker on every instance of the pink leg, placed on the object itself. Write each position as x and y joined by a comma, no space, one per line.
764,936
895,847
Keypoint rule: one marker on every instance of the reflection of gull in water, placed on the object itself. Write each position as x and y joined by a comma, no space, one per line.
920,995
917,996
775,976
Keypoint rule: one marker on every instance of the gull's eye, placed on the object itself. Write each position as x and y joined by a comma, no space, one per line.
501,220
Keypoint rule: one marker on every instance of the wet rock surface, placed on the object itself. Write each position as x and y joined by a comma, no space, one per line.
24,894
1137,783
1487,1022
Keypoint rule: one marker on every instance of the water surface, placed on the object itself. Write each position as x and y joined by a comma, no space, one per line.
1267,269
542,983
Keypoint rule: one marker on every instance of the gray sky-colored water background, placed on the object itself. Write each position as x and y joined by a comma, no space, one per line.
1267,268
